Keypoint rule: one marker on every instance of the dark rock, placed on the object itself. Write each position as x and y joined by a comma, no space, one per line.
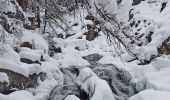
97,22
43,76
53,50
89,27
28,61
136,2
17,81
165,47
26,44
92,58
163,6
68,35
91,35
23,4
89,17
76,24
60,36
42,59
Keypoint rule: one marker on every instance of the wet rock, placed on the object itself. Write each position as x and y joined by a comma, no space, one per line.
92,58
17,81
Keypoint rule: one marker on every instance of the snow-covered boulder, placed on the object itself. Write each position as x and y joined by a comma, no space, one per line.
96,88
117,78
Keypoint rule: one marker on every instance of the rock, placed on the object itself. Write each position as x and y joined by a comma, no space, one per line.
53,50
118,79
17,81
69,35
76,24
89,27
92,58
89,17
61,92
70,86
91,35
23,4
43,76
26,44
163,6
60,36
28,61
165,47
136,2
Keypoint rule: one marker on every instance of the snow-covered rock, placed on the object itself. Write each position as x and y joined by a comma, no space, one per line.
96,88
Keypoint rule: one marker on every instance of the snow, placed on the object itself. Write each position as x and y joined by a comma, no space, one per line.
36,40
151,81
30,55
18,95
151,95
110,6
4,78
71,97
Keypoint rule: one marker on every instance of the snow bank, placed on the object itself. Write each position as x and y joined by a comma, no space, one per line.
30,55
151,95
18,95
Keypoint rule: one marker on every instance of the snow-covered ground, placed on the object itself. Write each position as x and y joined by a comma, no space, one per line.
151,81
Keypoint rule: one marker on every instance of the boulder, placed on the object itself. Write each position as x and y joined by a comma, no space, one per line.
118,79
17,82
